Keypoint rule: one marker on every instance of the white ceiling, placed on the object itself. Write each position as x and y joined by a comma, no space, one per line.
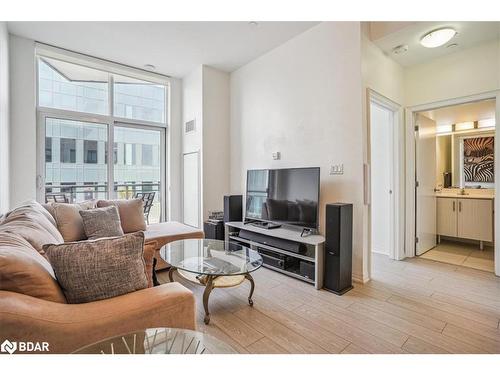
482,110
387,35
175,48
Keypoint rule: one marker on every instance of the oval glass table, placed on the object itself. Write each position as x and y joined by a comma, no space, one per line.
213,264
159,341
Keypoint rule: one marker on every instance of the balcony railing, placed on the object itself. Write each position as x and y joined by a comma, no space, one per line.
79,193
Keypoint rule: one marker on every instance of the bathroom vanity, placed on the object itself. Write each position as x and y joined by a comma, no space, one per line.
468,216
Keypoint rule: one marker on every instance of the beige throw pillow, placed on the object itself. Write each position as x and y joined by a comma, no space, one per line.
101,222
100,269
69,221
131,213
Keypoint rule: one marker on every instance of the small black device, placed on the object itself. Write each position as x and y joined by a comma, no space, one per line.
233,208
338,248
447,180
277,260
214,229
265,224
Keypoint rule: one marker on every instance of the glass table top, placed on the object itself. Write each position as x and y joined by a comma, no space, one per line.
159,341
211,257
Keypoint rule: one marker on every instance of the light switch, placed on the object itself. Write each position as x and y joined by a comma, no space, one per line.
276,155
337,169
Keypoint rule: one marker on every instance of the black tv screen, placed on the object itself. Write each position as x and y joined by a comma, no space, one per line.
283,196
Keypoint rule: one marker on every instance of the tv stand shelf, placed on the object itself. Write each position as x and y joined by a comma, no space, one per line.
314,244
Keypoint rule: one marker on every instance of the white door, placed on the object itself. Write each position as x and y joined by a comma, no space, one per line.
426,183
381,160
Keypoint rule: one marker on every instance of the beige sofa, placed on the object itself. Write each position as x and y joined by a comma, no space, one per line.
32,305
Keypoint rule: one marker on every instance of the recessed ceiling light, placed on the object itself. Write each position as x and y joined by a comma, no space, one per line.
253,23
452,45
400,49
437,37
149,67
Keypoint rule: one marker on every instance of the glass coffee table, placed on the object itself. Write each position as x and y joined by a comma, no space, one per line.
159,341
213,264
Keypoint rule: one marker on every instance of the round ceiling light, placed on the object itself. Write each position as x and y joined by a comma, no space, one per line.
438,37
149,67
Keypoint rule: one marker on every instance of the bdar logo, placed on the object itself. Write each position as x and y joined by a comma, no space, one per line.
8,347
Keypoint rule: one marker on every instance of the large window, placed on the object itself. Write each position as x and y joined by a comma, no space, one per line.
80,108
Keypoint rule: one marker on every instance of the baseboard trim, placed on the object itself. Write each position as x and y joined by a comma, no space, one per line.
360,279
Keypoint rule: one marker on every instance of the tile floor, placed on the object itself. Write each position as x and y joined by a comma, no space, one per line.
462,254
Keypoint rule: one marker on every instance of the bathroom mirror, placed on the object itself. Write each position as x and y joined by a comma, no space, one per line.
465,160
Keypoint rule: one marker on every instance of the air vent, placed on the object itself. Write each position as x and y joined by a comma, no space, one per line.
190,126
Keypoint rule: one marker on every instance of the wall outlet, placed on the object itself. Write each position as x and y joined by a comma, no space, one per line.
276,155
337,169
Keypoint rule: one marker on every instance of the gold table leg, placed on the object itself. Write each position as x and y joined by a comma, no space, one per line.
252,287
171,274
206,294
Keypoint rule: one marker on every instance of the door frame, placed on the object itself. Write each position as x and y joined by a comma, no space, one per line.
411,140
396,250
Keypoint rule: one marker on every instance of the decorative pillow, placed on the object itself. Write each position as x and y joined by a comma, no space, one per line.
69,221
23,270
131,213
101,222
99,269
30,221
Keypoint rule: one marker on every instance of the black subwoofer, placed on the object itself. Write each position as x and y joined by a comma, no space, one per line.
338,248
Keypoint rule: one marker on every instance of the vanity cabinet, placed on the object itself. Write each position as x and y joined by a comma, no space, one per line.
469,218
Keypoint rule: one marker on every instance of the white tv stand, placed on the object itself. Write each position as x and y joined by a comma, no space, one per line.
314,243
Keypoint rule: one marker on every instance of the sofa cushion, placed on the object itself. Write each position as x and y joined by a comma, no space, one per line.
30,221
131,213
101,222
68,219
99,269
164,233
23,270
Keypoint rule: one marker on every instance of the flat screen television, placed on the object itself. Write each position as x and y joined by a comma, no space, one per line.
283,196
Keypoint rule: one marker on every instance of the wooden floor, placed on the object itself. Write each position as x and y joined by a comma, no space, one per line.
463,254
411,306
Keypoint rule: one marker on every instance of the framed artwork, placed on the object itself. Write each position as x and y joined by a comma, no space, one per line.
478,159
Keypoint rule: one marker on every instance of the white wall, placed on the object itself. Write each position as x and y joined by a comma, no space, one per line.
192,109
206,100
4,118
381,162
216,153
472,71
385,77
175,151
23,120
304,99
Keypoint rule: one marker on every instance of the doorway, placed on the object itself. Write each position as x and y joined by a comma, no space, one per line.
455,183
382,155
385,173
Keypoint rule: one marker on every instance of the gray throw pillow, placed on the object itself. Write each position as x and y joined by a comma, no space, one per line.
101,222
99,269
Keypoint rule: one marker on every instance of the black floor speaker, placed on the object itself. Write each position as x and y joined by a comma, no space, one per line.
233,208
338,248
